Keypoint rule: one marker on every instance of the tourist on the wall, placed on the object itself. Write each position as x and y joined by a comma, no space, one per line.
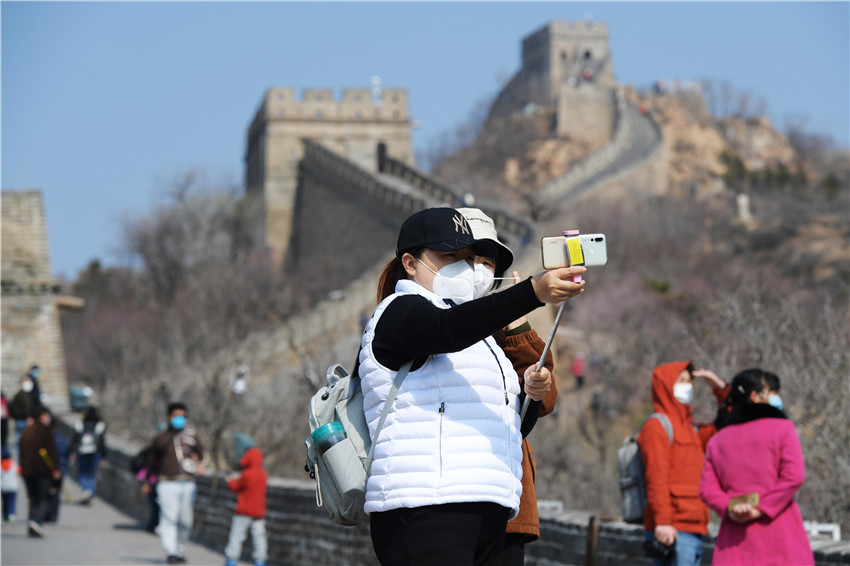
523,347
39,467
175,458
250,512
447,468
89,450
753,468
675,519
22,406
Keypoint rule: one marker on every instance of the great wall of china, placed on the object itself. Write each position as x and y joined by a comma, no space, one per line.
335,172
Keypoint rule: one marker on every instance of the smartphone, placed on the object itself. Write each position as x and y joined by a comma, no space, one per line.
595,248
561,251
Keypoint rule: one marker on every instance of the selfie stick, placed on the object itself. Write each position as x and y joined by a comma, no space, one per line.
543,357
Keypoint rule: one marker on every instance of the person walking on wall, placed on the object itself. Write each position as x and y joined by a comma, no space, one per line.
175,458
34,373
39,467
577,369
447,468
89,450
250,487
22,406
675,516
753,468
10,471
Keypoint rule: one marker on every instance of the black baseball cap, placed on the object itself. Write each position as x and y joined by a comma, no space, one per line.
442,229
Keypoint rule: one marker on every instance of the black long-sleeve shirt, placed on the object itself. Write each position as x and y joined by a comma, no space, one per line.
412,327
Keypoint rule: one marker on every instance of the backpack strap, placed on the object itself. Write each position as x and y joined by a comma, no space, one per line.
388,405
665,422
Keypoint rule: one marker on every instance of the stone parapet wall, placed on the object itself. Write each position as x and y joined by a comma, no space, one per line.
596,162
299,533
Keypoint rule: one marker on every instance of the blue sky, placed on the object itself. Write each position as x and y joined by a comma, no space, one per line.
103,103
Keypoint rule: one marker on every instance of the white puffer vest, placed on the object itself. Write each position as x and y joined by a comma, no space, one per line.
450,437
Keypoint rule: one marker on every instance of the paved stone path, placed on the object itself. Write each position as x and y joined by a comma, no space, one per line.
96,535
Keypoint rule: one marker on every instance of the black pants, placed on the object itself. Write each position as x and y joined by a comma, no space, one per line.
38,492
514,553
455,534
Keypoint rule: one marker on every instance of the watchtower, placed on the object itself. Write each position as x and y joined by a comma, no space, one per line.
354,127
562,52
31,303
566,70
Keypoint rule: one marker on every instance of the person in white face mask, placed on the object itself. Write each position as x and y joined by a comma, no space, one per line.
523,346
675,515
447,468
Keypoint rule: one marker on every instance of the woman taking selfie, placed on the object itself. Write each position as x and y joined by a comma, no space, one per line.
445,478
753,468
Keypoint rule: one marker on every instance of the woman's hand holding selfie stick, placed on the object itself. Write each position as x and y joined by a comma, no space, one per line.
552,287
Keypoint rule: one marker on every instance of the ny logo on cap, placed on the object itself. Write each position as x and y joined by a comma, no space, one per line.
460,224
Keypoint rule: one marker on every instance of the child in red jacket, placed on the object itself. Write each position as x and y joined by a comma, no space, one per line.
250,511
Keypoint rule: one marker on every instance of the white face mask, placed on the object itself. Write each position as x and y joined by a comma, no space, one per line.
684,393
455,281
26,386
483,280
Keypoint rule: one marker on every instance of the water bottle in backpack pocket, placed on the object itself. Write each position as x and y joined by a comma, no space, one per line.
339,451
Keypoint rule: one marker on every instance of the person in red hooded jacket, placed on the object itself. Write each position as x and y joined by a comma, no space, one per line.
250,511
675,516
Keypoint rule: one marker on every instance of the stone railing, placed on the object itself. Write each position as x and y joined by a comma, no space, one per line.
299,533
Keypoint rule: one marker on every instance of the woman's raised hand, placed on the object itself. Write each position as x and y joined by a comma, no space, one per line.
554,286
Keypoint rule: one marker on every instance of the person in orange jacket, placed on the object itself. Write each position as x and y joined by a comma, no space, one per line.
675,516
250,512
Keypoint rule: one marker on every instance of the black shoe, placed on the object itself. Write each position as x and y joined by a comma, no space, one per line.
172,560
34,529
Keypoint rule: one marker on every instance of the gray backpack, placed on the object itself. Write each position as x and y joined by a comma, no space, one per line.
632,481
342,470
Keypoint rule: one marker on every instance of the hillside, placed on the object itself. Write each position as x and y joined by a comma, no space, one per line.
691,275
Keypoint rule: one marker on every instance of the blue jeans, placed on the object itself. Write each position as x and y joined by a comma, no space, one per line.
688,550
87,471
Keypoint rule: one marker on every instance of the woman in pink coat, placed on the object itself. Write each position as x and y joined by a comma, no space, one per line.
757,451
